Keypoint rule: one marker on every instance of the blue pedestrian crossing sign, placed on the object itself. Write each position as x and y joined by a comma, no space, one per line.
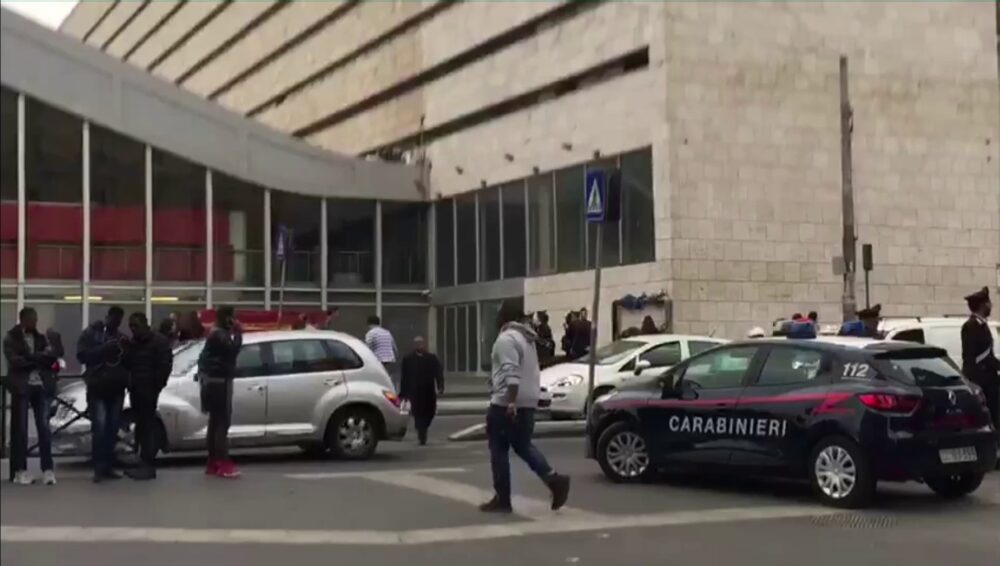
595,196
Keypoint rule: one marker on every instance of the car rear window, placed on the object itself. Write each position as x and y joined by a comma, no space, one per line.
922,371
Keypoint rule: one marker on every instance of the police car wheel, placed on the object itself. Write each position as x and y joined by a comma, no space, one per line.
623,454
840,474
955,486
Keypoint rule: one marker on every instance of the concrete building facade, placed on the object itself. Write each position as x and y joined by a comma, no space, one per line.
736,105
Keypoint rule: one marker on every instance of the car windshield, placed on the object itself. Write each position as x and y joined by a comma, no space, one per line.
186,357
938,371
617,351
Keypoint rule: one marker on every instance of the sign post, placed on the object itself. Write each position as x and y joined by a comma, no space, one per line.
282,246
602,195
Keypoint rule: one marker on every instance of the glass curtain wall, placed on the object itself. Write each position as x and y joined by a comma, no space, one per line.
179,220
54,194
117,207
8,187
543,218
128,177
299,215
404,245
350,236
237,233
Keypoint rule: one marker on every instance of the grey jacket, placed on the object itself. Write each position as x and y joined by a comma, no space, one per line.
515,362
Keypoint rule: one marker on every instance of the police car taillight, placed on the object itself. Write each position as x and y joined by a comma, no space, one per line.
890,403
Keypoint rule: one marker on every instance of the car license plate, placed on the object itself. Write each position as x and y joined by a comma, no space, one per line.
958,455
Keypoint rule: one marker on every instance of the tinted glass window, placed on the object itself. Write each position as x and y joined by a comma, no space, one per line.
922,372
663,355
465,215
514,227
616,351
300,356
724,368
698,347
915,335
489,234
342,356
790,365
444,215
250,362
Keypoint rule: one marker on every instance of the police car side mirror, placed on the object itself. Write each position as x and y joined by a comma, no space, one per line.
641,366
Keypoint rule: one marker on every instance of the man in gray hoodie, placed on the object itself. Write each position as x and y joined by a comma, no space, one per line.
515,388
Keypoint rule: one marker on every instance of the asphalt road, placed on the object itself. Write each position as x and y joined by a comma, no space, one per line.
416,506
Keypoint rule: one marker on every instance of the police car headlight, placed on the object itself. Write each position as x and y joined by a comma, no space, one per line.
568,381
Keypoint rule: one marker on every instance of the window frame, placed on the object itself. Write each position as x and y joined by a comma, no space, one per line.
824,375
680,352
267,360
358,363
749,375
276,370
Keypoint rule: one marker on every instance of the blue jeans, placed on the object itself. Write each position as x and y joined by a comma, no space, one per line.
38,401
104,415
505,434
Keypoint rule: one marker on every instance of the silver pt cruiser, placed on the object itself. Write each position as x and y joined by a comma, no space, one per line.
323,391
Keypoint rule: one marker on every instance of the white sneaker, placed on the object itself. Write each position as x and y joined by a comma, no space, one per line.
49,477
23,478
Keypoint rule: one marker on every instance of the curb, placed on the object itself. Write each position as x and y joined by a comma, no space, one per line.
543,429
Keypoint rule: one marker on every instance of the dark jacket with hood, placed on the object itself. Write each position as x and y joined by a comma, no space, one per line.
103,353
22,360
149,361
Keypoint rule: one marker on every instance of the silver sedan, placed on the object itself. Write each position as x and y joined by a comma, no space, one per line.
323,391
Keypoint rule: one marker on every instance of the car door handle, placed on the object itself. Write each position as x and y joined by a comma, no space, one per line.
333,382
257,388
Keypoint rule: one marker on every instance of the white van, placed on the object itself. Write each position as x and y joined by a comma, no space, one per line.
943,332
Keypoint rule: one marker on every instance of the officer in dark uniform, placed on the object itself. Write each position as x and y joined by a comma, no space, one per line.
867,324
979,360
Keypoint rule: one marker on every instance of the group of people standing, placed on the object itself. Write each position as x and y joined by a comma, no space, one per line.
115,364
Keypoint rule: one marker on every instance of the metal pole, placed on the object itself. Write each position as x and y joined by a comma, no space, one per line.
85,286
209,240
595,319
868,302
849,302
281,289
149,248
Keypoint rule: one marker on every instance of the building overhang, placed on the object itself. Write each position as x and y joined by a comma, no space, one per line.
66,73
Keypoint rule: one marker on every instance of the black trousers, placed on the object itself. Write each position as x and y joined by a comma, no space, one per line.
144,408
217,398
992,392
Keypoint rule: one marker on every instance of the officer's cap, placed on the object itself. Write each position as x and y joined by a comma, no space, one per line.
979,297
871,312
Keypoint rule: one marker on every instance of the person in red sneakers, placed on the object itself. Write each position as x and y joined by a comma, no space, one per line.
216,369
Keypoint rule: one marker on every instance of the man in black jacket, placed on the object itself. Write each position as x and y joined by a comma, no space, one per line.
101,348
31,382
149,361
979,359
216,370
421,382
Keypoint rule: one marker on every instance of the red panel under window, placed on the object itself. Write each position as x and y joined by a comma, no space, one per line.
8,222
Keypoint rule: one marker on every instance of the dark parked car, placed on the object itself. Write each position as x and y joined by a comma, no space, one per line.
845,413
